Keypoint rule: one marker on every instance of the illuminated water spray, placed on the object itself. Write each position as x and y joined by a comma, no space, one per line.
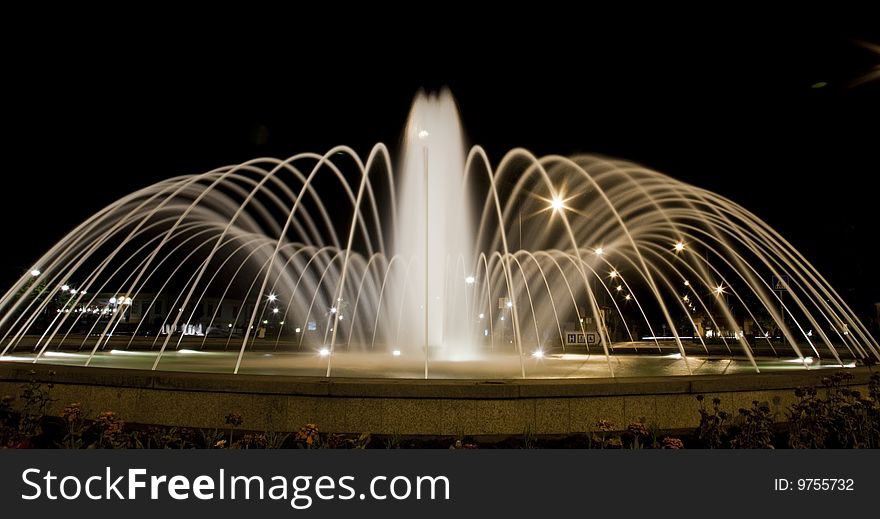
434,262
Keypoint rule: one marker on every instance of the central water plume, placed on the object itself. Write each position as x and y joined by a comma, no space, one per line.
434,233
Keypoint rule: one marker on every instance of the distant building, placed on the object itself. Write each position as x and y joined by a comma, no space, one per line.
153,313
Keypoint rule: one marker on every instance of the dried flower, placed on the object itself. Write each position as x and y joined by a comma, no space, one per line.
638,429
672,443
605,425
308,434
72,412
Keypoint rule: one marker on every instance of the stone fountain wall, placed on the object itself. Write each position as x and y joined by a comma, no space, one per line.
408,407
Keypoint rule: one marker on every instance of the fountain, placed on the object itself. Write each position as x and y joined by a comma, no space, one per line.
441,266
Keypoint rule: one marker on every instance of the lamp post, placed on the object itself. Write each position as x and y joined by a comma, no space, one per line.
424,135
722,298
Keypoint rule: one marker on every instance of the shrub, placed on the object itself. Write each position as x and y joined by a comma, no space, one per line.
713,427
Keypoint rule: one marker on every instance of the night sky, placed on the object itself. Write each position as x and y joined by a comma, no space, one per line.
733,109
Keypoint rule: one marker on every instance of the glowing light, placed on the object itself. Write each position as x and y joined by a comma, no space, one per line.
126,301
61,354
470,280
510,304
686,298
619,288
65,288
340,317
298,329
113,302
333,310
679,246
628,297
275,310
230,325
719,289
502,317
131,353
613,274
557,204
600,251
73,291
35,273
273,298
265,321
538,354
808,360
324,352
396,353
424,134
687,283
482,316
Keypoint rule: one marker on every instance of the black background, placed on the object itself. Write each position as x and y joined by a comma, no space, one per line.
726,103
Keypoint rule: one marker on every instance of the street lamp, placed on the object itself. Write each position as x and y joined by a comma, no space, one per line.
679,246
35,273
470,280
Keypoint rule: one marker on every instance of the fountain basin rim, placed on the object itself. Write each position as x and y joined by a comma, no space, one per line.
422,389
